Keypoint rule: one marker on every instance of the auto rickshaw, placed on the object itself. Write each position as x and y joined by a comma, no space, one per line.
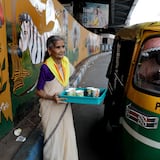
133,97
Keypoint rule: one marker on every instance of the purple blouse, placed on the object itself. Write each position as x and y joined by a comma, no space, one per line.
45,75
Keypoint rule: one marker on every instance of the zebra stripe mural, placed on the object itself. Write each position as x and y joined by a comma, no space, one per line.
31,39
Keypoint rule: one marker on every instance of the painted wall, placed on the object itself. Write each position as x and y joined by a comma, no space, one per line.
24,27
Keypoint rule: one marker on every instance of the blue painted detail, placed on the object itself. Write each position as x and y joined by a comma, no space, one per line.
36,152
32,148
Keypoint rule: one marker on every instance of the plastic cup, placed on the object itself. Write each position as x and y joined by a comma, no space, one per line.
79,93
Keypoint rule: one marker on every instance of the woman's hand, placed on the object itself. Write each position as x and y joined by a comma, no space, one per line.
58,100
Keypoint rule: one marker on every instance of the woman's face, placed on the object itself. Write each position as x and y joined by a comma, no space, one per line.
58,50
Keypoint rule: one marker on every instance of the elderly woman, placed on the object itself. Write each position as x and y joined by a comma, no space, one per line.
60,141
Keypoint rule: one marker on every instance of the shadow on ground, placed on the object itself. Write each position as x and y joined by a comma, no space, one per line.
106,141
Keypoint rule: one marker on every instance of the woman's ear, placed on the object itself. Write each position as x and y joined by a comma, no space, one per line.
49,52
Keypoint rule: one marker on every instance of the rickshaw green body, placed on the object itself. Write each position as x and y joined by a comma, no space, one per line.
138,98
138,142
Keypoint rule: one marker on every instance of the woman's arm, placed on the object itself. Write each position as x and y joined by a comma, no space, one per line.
43,94
55,97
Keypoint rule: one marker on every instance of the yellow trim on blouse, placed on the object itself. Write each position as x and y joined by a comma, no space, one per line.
64,80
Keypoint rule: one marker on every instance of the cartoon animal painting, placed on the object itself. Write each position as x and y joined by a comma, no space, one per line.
30,38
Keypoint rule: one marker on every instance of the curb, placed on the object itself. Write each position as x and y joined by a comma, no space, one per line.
82,67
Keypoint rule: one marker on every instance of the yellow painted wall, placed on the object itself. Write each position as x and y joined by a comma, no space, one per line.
26,26
5,94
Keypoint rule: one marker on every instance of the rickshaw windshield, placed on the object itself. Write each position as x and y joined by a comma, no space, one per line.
147,73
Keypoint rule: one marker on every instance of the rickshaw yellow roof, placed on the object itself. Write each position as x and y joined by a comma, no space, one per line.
134,32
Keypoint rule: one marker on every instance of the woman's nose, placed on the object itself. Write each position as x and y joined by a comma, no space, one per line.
62,49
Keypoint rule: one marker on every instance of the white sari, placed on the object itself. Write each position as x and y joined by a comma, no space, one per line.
62,144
